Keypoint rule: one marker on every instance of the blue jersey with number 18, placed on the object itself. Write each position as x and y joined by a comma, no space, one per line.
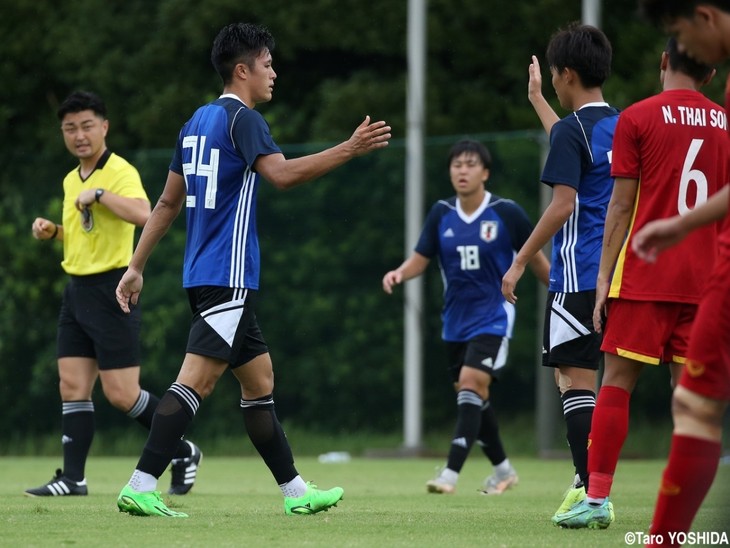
474,252
215,153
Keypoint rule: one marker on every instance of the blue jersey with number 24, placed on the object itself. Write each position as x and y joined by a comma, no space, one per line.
215,153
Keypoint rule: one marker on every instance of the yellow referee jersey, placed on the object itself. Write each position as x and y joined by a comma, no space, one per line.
108,244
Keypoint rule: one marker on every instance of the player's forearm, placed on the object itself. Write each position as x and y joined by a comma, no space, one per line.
295,171
156,227
616,226
414,266
132,210
551,221
544,111
540,266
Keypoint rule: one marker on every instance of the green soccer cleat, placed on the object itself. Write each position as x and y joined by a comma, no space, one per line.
313,500
571,497
148,503
584,515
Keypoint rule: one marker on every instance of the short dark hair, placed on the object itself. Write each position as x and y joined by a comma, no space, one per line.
470,146
79,101
683,63
239,43
583,48
660,12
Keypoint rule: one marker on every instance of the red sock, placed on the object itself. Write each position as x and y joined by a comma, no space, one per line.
687,478
609,429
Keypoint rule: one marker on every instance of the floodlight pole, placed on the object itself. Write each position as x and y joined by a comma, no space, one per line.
413,307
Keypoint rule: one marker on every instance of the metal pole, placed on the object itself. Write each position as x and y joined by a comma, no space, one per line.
547,406
413,331
591,13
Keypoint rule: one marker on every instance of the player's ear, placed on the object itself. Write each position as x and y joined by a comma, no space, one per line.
664,63
241,71
705,13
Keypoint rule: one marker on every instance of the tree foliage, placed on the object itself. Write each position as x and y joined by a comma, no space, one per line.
335,337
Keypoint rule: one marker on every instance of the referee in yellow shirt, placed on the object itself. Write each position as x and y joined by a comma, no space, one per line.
103,202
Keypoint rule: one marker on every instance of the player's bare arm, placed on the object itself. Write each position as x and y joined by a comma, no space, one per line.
618,217
132,210
285,173
540,267
544,111
554,217
166,210
413,266
656,236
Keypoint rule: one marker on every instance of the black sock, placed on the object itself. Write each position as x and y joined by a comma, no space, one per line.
488,438
267,436
578,408
468,421
143,411
172,417
77,425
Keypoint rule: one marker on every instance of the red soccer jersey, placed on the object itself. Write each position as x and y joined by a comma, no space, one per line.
676,145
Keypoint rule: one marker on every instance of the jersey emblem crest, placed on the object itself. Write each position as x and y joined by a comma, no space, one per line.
488,231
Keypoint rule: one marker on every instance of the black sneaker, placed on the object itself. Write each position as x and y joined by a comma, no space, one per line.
185,470
59,487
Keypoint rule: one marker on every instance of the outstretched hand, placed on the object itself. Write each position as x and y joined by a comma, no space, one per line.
369,136
129,289
534,85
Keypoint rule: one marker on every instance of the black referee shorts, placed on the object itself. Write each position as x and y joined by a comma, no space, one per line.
91,324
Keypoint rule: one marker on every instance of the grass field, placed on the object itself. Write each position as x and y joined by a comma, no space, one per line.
236,503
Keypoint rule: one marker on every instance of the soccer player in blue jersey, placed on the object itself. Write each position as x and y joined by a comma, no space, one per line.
221,153
474,235
578,170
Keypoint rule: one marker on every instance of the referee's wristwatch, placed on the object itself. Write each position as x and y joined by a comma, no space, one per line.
99,193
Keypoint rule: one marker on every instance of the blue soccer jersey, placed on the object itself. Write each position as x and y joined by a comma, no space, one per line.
474,252
580,157
215,153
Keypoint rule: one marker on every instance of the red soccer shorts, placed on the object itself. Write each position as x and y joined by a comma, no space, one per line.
647,331
707,371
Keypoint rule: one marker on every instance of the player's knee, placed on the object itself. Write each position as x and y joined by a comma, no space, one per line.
565,383
73,391
696,415
121,398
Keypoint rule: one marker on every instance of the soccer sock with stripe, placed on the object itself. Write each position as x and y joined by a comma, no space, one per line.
468,423
143,411
489,439
172,417
578,410
267,436
686,480
77,425
609,428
